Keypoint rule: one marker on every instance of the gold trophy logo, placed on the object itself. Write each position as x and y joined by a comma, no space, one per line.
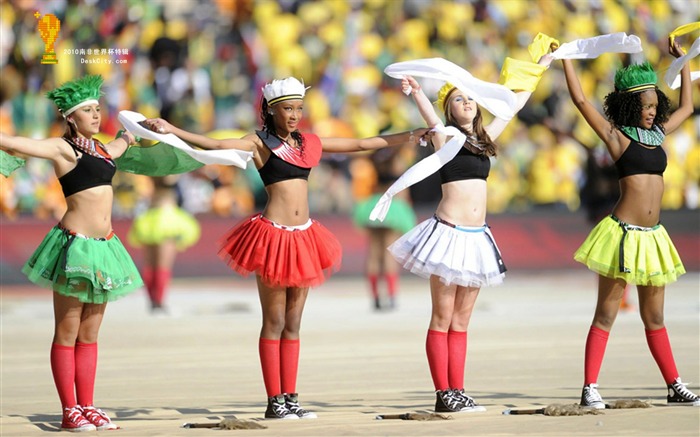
48,26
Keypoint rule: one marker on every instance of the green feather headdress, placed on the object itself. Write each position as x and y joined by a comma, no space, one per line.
75,94
635,78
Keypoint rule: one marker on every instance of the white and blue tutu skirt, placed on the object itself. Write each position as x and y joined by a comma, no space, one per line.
462,255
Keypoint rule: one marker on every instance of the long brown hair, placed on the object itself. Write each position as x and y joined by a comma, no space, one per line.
482,137
268,124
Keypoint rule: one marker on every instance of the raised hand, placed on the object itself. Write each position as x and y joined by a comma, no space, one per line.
675,48
409,85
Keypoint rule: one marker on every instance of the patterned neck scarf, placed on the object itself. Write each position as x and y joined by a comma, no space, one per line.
92,147
649,137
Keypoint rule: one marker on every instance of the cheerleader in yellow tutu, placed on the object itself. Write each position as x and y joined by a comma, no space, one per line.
630,245
162,231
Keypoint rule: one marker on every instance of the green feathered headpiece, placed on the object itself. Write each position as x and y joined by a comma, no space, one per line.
634,78
75,94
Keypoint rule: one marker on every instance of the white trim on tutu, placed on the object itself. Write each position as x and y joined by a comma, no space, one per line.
459,255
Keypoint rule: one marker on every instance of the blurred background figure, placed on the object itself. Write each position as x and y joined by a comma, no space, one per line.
388,165
162,231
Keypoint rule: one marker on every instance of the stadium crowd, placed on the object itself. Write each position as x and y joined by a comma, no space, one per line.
201,65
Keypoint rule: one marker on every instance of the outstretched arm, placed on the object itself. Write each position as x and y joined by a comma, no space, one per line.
163,127
345,145
685,104
50,148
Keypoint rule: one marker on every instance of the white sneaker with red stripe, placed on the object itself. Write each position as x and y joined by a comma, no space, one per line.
98,418
74,421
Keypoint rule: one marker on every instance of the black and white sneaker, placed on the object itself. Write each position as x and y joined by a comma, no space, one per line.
292,403
678,394
277,409
470,406
591,398
447,402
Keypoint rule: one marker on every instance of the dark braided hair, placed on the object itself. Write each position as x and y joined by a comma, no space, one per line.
625,109
483,139
268,125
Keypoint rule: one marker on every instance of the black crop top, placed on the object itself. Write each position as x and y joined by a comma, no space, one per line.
89,172
277,169
465,165
638,159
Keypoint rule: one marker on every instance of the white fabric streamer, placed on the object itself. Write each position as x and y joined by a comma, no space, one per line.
672,78
495,98
590,48
239,158
421,170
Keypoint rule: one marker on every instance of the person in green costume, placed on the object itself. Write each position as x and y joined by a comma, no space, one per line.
630,246
80,259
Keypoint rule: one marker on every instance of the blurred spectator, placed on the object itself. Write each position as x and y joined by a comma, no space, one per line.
200,64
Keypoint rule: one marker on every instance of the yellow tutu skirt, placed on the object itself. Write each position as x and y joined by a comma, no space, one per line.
641,256
164,223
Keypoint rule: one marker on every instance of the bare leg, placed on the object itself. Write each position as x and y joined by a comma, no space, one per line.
375,251
610,293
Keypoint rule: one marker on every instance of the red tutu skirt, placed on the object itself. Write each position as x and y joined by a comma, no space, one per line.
286,256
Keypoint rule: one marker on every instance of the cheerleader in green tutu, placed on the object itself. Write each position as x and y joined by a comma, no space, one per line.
80,259
162,231
630,245
400,219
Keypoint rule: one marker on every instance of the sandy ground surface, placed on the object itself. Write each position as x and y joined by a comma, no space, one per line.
201,365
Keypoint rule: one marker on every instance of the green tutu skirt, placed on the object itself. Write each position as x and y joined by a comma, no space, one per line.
400,217
93,270
164,223
645,256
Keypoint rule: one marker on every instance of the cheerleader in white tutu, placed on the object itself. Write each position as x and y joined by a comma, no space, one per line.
454,248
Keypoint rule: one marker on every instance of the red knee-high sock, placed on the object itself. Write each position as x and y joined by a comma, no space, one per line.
289,364
392,283
270,361
595,350
437,351
160,284
85,370
457,346
148,276
660,348
373,285
63,369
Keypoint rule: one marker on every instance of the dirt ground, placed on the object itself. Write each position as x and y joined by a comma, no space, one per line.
200,364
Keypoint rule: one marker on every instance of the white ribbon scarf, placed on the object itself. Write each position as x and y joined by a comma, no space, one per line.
239,158
590,48
421,170
495,98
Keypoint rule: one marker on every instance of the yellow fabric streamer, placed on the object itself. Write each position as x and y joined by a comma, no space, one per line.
682,30
541,45
521,75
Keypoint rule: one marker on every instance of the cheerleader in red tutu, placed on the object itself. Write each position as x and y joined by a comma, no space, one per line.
288,251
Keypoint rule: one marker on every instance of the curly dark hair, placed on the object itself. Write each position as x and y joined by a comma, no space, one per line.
268,125
483,139
625,109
